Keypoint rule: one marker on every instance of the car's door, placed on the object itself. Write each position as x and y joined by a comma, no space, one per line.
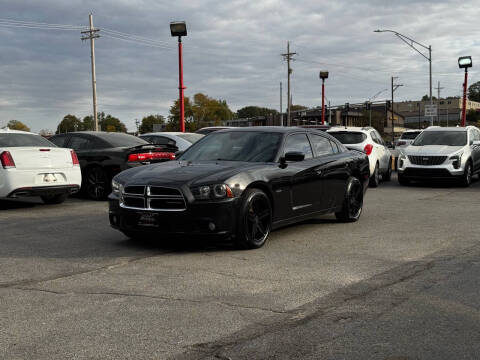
304,180
331,170
383,153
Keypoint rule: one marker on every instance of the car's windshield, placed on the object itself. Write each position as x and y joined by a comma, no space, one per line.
410,135
449,138
348,137
251,146
18,140
191,138
121,140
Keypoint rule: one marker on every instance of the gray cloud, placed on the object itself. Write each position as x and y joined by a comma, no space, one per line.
232,52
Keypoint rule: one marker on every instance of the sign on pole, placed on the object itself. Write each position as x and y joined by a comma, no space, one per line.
431,110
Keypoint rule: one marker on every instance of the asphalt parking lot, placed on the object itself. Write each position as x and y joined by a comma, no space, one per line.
72,287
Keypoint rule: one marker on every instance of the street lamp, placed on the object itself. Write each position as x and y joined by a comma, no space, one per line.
323,76
410,42
179,29
464,62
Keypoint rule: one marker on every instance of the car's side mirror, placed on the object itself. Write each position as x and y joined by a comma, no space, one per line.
294,156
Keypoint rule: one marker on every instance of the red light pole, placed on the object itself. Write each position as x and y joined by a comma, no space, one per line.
179,29
464,62
323,76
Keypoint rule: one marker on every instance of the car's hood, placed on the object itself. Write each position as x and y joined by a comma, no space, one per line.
431,150
179,173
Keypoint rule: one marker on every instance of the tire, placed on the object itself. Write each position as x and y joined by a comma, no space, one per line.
54,199
255,220
97,184
352,203
402,180
375,178
467,175
388,174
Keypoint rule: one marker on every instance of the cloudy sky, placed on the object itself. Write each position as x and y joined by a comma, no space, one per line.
232,52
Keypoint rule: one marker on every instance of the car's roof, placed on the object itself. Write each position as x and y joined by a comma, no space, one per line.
350,128
176,133
11,131
95,133
444,128
278,129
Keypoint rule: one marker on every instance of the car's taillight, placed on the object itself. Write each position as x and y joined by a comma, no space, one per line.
75,161
7,160
368,149
141,157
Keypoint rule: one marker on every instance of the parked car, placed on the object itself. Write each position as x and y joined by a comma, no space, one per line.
102,155
441,153
241,183
407,138
181,140
210,129
33,166
368,140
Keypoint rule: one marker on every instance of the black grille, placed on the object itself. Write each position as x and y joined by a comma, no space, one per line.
163,191
135,189
136,202
167,204
426,173
427,160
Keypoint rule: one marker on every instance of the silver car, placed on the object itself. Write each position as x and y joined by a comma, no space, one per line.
407,138
441,153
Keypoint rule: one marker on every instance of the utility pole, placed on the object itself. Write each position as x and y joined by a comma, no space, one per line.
289,57
281,95
438,103
92,34
394,87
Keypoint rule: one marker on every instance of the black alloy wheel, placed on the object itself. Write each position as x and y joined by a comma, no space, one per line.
467,175
353,202
97,184
375,178
255,220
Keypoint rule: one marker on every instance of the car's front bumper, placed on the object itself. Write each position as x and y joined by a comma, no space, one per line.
430,172
213,219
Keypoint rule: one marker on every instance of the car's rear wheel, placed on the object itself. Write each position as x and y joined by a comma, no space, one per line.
375,178
467,175
54,199
352,203
255,220
97,183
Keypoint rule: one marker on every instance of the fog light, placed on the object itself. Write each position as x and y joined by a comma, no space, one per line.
211,226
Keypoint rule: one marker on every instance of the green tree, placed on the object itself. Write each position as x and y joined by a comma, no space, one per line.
204,110
298,107
473,117
110,123
88,123
69,123
17,125
253,111
474,92
147,123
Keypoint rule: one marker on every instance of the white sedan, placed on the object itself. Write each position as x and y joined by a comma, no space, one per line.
33,166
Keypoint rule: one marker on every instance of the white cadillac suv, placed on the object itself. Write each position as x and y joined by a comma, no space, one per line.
368,140
441,153
30,165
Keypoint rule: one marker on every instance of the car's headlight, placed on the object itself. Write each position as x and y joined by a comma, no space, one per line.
456,159
116,187
211,192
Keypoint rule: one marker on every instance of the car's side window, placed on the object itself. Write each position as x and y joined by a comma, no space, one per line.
334,147
374,137
58,140
298,143
80,143
160,140
471,137
322,145
379,137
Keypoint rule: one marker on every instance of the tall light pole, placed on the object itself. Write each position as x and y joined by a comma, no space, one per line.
179,29
410,42
323,75
464,62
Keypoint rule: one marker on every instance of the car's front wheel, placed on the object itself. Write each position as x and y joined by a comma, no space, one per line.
375,178
467,175
352,203
255,220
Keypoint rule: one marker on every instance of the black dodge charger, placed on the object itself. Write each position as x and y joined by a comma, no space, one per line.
240,184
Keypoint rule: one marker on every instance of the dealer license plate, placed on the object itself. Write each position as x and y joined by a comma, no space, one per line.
148,219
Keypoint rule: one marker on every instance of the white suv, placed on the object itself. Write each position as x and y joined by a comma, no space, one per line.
368,140
33,166
441,153
407,138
